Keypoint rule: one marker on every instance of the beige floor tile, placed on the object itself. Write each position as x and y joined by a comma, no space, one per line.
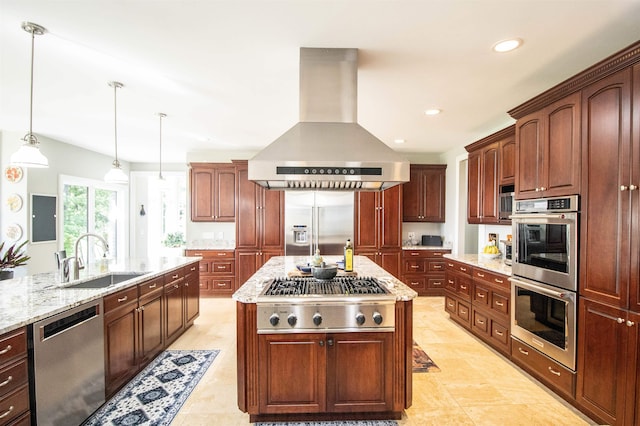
474,387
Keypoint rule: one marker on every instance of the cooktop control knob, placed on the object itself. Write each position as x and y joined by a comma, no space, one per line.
317,318
360,318
274,319
377,318
292,320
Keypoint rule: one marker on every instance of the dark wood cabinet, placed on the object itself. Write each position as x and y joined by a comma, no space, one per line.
548,150
191,294
378,227
217,272
424,271
458,288
213,191
14,378
259,225
423,197
316,373
174,302
491,166
150,313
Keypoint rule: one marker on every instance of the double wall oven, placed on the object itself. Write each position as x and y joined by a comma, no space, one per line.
544,276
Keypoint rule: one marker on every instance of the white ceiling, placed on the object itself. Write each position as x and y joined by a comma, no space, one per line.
226,71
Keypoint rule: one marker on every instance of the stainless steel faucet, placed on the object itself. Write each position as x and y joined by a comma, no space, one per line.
73,264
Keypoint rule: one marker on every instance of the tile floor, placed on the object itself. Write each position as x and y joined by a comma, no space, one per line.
474,387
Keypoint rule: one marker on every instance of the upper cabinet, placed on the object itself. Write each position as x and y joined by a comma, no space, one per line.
213,192
424,195
491,171
548,150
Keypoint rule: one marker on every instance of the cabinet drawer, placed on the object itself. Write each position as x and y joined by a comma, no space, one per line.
544,368
207,254
415,282
463,312
150,286
13,376
437,254
492,278
409,254
500,303
480,323
191,269
481,295
500,334
222,284
436,283
226,267
462,268
463,287
14,404
450,305
13,345
172,276
450,283
435,266
121,298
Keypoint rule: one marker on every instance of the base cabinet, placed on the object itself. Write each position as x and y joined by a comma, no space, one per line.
217,272
424,271
14,386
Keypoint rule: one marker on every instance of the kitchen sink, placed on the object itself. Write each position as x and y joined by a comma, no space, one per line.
106,280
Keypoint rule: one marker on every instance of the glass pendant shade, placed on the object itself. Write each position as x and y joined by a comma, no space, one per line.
29,155
116,175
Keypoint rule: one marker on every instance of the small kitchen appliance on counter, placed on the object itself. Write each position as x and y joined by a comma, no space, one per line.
432,240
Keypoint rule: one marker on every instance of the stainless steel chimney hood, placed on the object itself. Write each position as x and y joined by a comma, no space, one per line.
328,149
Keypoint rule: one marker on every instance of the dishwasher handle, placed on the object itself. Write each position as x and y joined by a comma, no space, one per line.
61,323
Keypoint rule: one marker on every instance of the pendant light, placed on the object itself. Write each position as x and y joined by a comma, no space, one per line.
29,155
116,175
161,115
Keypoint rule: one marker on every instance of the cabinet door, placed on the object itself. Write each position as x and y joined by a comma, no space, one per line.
292,373
602,361
634,195
191,294
390,261
202,188
120,335
529,149
150,318
606,215
390,222
474,187
366,212
272,220
247,225
434,194
412,199
507,161
364,385
174,310
561,159
247,262
489,184
225,194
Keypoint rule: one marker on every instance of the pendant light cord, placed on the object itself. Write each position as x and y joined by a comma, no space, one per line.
115,123
161,115
33,43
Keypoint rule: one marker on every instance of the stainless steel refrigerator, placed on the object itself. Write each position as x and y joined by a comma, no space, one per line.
317,219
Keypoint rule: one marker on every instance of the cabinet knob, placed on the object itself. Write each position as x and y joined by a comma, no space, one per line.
619,320
543,188
630,323
633,187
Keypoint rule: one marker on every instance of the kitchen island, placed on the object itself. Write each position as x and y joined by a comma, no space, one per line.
361,370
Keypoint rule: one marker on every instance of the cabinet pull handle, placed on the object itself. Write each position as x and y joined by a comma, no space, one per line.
619,320
480,275
414,283
480,295
463,287
498,280
623,187
543,188
220,267
193,268
413,253
630,323
175,276
463,269
122,299
480,322
197,254
437,254
176,286
222,254
186,284
463,312
450,265
450,281
414,266
436,283
499,303
437,266
552,371
6,413
6,382
498,332
523,352
154,285
5,350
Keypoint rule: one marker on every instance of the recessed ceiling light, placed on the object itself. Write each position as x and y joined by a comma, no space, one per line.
433,111
398,141
507,45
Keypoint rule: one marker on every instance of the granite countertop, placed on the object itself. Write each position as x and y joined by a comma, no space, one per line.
425,248
279,266
28,299
493,265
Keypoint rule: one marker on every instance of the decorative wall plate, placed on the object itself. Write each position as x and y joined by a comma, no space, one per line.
14,202
13,173
13,232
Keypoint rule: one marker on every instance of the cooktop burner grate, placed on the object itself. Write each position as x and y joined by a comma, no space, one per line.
337,286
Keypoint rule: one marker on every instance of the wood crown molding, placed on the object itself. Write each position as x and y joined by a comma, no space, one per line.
495,137
604,68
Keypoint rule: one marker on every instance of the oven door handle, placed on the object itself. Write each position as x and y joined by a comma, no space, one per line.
552,293
541,215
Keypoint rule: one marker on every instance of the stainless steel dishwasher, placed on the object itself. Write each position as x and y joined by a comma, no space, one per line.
68,365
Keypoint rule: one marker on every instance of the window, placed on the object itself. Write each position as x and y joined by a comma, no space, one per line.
96,207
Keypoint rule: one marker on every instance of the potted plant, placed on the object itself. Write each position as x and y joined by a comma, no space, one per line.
12,258
174,241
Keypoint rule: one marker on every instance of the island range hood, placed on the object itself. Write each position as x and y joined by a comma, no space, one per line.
328,149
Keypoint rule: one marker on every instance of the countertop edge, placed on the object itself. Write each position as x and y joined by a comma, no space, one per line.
498,266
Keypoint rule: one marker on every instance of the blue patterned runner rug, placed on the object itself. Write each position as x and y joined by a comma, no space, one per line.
156,394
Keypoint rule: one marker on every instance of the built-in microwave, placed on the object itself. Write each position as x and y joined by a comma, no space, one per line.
545,241
506,203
